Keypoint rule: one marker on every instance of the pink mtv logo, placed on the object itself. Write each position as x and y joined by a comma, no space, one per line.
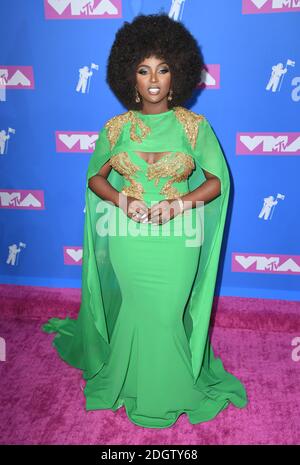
16,77
75,141
82,9
270,6
266,263
22,199
210,77
270,143
72,255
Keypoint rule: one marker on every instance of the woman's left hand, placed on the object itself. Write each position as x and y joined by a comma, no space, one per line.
164,211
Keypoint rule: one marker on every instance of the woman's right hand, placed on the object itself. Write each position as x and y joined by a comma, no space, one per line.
134,208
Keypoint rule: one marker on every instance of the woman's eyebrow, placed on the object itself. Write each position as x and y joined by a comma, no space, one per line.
147,66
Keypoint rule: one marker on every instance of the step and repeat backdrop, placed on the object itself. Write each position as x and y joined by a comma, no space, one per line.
54,100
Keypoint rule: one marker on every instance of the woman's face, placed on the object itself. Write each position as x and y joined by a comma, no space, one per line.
153,73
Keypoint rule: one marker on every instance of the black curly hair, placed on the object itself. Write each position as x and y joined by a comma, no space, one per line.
163,37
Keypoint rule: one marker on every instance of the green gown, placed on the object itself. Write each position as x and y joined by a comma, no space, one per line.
141,337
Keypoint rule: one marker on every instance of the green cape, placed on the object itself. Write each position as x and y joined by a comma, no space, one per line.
84,343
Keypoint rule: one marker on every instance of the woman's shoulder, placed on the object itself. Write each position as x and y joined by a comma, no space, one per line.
114,126
119,119
188,115
190,121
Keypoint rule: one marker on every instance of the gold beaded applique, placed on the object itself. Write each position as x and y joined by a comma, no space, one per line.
122,163
187,118
190,123
178,168
115,125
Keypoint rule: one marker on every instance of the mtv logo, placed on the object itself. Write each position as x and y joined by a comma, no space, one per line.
272,143
71,141
265,263
82,9
270,6
22,199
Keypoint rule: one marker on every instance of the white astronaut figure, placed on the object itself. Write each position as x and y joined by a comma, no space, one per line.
13,250
3,84
175,9
84,74
269,202
277,71
3,138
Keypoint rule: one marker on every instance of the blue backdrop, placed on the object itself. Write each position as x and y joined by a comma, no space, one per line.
52,108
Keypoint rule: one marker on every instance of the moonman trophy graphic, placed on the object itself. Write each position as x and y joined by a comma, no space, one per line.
84,78
269,205
278,72
13,253
176,10
4,137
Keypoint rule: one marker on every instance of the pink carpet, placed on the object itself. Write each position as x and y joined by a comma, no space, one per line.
42,401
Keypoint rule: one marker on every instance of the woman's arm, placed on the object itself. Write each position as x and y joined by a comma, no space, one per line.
209,190
101,187
210,156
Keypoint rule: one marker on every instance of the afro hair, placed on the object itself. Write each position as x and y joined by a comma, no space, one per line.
163,37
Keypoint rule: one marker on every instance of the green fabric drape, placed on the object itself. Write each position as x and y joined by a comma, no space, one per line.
85,343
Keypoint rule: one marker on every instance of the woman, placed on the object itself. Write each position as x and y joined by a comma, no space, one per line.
156,199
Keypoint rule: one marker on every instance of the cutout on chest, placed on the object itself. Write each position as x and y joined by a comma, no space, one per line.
151,157
163,164
177,166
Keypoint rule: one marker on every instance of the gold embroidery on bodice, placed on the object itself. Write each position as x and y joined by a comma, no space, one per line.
177,167
122,163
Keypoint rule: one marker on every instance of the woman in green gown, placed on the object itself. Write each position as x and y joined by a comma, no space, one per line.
157,190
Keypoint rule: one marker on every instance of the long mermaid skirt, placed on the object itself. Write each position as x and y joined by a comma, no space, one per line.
149,370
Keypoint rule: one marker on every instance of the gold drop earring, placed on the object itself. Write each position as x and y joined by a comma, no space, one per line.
170,95
137,97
